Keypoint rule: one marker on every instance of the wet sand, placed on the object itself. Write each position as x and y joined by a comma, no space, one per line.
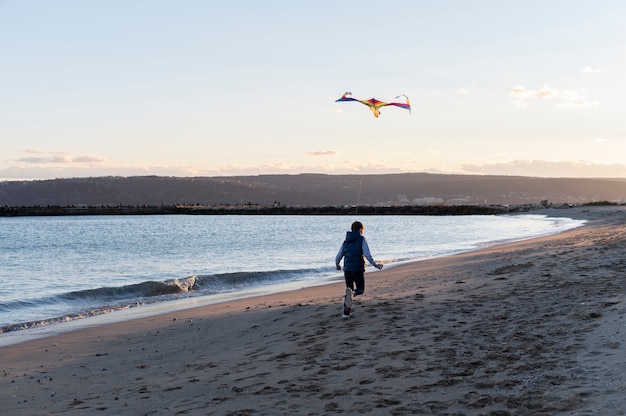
529,328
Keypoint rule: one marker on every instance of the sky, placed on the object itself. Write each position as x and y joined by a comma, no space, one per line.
222,88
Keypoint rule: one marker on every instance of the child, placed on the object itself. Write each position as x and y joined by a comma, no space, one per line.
354,251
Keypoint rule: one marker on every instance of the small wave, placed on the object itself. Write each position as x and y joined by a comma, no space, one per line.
203,284
65,318
227,282
98,301
144,289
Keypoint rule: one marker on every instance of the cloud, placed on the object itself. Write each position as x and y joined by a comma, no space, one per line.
575,99
588,70
49,166
564,98
44,159
59,159
323,153
77,170
38,151
545,92
88,159
467,89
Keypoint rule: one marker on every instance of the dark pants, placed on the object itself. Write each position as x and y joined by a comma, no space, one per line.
355,278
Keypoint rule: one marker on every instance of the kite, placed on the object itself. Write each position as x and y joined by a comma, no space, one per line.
375,104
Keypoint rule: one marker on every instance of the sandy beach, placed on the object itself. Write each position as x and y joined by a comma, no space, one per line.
529,328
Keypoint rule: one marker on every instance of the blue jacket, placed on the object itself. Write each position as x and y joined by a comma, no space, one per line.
354,249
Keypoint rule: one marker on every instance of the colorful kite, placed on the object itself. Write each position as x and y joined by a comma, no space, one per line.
375,104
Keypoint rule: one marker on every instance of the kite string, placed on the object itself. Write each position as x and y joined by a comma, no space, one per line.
358,199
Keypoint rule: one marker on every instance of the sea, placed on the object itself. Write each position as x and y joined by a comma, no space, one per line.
55,270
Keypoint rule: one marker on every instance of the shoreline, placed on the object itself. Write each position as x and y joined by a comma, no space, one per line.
530,327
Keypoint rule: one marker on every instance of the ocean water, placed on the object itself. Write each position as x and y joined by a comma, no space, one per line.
59,269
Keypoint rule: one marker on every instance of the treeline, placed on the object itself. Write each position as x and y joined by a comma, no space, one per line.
311,190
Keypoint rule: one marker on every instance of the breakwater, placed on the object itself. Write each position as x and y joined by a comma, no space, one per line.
254,209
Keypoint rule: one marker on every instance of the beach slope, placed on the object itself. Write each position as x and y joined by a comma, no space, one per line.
533,327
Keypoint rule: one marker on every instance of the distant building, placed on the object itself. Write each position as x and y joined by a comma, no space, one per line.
458,201
429,200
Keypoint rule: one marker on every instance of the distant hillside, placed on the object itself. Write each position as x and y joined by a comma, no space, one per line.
311,190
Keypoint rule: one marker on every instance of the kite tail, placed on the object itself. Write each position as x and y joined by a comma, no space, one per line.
408,103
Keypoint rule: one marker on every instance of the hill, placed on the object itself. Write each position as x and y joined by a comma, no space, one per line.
311,190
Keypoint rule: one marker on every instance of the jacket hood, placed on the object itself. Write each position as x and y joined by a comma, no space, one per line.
352,236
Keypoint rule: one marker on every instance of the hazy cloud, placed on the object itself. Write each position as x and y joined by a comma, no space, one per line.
467,89
44,159
38,151
323,153
52,171
88,159
546,168
545,92
538,168
589,69
59,159
565,98
575,99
